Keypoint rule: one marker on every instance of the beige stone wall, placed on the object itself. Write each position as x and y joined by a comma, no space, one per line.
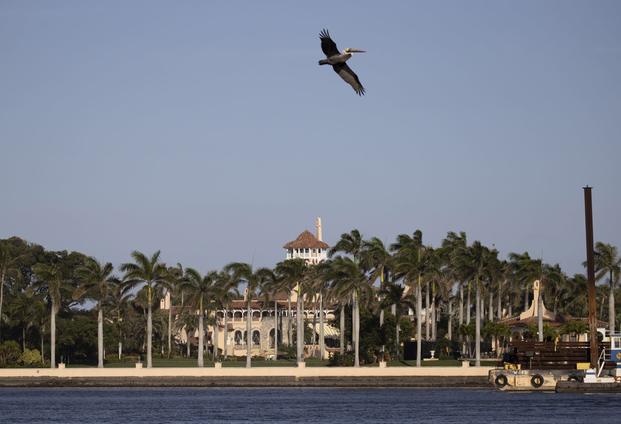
249,372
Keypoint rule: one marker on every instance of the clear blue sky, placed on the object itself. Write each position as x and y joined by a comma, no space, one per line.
207,129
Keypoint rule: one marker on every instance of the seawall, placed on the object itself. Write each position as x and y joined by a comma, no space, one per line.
243,377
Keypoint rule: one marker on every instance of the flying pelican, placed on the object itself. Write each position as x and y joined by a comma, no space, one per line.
338,59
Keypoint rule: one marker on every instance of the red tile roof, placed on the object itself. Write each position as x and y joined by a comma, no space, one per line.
306,240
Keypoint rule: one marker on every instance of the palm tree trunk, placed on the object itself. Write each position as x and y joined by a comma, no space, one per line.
478,313
611,306
491,305
188,349
23,338
118,320
201,335
468,305
275,330
419,329
314,326
434,326
289,327
356,330
525,298
53,335
216,331
461,315
249,333
100,344
499,300
427,312
149,336
299,328
449,331
353,321
170,327
342,331
226,334
322,344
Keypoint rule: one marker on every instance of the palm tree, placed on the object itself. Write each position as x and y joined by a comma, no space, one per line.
151,273
201,291
119,302
474,262
269,290
412,260
290,273
227,291
349,279
451,244
351,244
96,283
378,260
52,279
608,263
244,274
175,278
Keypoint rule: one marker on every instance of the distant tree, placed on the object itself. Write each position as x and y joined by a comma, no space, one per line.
96,282
151,273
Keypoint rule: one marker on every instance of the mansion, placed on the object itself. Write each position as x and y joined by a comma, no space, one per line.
229,330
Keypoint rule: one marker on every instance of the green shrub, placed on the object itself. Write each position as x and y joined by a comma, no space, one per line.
30,357
338,360
9,353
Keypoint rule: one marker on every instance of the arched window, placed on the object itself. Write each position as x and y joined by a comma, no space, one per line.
238,337
256,338
271,344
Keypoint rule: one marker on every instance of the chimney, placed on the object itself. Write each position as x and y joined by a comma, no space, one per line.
318,226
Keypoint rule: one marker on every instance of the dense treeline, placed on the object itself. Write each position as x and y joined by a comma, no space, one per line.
69,304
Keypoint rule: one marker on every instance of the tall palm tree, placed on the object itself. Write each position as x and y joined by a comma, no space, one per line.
151,273
269,289
96,282
608,263
290,273
201,291
451,244
175,278
376,257
412,261
474,261
52,280
227,292
244,274
119,312
351,244
349,278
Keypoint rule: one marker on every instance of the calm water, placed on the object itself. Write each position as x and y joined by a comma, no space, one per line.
306,405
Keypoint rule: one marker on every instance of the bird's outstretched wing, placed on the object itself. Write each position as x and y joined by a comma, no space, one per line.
349,76
327,45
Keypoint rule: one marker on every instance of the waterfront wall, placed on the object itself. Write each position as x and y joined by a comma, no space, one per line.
253,377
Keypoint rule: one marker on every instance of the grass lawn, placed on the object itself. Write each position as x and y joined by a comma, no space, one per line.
241,362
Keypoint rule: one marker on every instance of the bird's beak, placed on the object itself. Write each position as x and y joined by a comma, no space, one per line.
357,51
